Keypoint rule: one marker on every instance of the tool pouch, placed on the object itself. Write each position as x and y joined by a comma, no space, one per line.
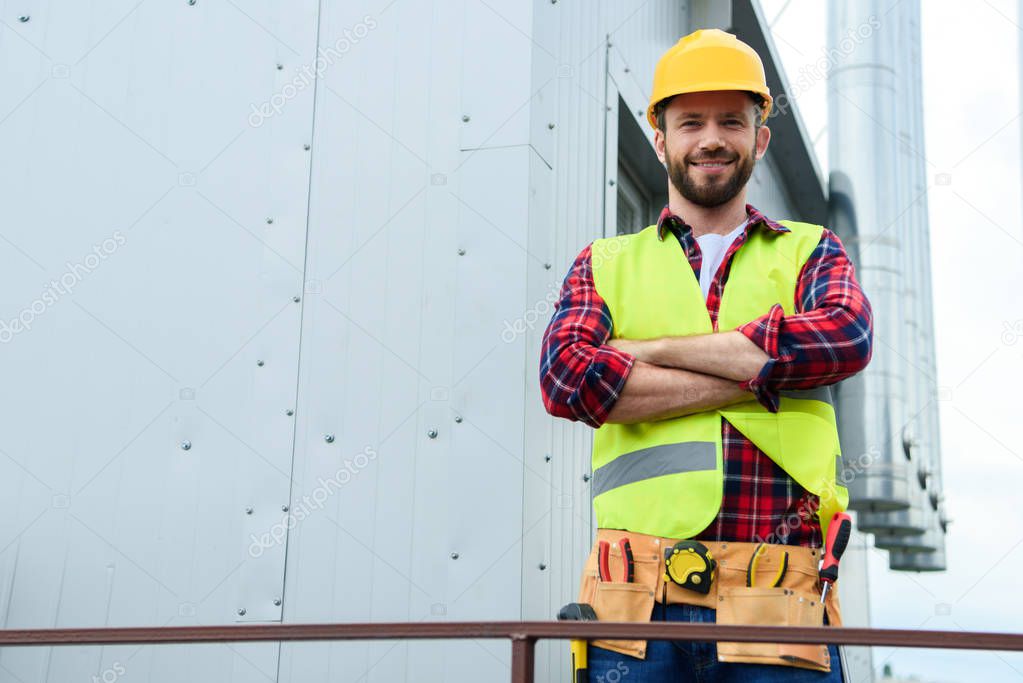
619,601
771,606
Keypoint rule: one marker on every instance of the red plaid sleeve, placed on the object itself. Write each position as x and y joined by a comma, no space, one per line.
829,337
580,376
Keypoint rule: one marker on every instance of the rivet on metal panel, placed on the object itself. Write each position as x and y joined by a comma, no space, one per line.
547,457
626,69
307,147
586,477
550,126
611,182
546,266
432,433
259,363
329,438
269,221
465,118
284,508
461,252
542,566
454,556
296,299
289,412
458,419
280,67
191,2
241,611
639,113
248,510
185,445
23,18
277,601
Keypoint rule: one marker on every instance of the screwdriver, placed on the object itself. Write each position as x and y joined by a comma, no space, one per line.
838,538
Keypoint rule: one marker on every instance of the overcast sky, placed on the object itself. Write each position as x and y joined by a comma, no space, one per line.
972,127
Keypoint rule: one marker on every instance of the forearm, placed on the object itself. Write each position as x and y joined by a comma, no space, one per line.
656,393
729,355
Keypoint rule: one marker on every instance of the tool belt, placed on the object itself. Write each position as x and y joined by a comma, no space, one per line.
794,601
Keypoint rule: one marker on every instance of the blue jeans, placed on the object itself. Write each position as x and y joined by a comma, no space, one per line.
675,661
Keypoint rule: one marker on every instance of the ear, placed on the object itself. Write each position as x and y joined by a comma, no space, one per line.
763,139
659,145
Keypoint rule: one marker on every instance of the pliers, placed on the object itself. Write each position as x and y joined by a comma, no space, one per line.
751,570
603,564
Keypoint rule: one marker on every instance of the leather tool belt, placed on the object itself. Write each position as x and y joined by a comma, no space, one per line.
794,601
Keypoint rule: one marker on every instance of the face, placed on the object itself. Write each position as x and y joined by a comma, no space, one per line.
709,145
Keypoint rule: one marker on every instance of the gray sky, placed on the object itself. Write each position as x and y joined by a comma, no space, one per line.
972,126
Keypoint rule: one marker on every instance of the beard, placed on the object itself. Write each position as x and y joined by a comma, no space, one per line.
715,189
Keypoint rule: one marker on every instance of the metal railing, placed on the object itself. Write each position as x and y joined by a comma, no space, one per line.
523,635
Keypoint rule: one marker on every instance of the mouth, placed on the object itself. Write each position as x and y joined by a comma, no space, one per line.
712,167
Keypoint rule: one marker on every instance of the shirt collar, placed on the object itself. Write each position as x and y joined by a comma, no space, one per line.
669,221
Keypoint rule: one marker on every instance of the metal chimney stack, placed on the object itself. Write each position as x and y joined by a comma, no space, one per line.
902,530
927,551
889,414
862,88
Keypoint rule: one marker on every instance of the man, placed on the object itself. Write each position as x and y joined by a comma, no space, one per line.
704,370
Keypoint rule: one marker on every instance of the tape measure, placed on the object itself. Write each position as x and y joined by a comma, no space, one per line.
690,565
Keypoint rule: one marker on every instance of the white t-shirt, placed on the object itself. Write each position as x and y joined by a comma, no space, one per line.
713,248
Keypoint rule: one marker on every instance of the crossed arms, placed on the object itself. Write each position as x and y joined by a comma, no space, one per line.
588,377
673,376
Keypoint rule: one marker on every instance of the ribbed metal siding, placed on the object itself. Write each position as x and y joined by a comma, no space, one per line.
126,127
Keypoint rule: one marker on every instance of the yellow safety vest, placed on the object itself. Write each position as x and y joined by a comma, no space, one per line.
665,477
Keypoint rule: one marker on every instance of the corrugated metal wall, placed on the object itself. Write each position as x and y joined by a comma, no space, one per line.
298,380
151,340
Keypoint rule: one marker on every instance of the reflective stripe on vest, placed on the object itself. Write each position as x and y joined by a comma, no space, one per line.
665,477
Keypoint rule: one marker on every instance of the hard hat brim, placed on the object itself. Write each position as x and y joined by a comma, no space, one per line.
745,86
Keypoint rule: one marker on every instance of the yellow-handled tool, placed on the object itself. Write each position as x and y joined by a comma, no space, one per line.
751,569
578,611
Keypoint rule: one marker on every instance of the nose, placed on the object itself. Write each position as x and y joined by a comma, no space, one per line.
711,140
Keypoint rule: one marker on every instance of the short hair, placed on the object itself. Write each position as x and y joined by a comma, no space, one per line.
758,109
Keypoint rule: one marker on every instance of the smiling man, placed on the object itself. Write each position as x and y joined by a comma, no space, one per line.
701,350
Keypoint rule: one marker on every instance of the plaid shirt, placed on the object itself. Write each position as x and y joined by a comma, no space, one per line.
826,340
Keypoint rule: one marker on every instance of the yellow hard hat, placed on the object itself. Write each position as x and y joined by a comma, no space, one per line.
708,59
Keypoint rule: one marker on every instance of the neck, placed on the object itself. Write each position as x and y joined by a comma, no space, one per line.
719,220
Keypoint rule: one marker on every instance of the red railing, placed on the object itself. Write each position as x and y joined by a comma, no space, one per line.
523,635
